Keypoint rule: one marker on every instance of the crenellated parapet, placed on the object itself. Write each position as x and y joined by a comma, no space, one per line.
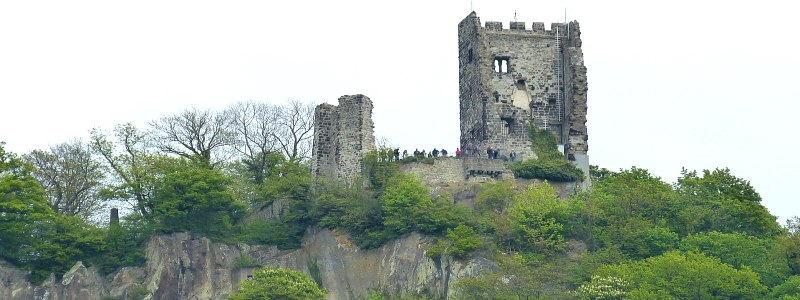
521,27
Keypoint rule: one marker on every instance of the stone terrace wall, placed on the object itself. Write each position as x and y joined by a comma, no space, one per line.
443,171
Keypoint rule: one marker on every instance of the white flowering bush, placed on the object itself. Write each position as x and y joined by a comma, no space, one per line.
603,288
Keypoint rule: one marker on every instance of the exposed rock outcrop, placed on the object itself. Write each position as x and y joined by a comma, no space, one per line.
184,266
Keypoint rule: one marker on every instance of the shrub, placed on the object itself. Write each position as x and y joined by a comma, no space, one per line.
550,163
275,283
279,232
245,261
494,196
465,240
548,169
460,241
544,143
417,159
124,245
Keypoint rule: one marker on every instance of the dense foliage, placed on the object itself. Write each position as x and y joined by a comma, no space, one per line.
631,235
32,235
275,283
675,275
644,239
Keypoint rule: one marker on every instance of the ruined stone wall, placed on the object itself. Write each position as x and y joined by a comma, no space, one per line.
577,137
342,136
575,82
509,80
356,136
472,88
326,135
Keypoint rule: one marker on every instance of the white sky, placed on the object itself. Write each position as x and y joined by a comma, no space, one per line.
680,83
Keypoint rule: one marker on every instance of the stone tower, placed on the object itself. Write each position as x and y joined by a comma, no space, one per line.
512,78
342,136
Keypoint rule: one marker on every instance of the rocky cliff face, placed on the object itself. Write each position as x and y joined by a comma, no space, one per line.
184,266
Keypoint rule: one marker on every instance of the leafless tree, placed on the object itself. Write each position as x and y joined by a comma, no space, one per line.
296,129
193,133
255,124
71,177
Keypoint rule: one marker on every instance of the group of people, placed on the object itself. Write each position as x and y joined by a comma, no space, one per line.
491,153
434,153
470,149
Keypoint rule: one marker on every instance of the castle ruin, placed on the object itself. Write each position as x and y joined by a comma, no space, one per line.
509,79
513,78
342,136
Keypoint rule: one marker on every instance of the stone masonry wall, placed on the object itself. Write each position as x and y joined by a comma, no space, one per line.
508,81
577,86
443,171
342,136
356,136
326,135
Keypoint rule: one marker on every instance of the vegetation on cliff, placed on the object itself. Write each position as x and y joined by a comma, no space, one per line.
624,237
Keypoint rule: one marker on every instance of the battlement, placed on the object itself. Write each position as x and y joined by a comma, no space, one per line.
536,27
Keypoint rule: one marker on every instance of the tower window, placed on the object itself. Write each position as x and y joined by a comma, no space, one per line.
501,65
469,56
506,129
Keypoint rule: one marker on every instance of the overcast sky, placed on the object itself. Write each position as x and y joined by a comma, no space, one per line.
672,84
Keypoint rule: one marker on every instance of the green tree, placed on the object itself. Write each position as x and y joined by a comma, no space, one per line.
740,250
788,290
789,244
461,241
124,244
495,196
32,235
537,216
408,206
190,196
519,277
719,201
287,180
380,168
632,210
677,275
276,283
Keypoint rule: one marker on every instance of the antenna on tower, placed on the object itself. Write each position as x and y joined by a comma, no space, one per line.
515,15
471,6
